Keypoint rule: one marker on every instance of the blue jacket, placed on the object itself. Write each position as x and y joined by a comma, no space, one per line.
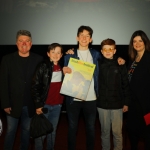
96,56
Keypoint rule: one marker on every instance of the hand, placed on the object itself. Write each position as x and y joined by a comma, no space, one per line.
8,110
66,70
125,108
39,111
70,51
121,61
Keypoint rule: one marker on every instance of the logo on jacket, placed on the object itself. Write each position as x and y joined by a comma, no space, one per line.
116,71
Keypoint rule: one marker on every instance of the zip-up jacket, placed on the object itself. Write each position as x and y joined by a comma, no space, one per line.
114,90
41,82
96,57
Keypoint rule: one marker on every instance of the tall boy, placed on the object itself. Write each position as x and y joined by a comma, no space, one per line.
113,95
45,91
73,105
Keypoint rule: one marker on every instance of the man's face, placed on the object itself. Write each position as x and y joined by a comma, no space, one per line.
84,39
24,44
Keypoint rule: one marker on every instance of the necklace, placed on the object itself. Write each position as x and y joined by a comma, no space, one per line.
138,58
85,58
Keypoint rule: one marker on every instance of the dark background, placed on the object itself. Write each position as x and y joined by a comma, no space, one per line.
122,50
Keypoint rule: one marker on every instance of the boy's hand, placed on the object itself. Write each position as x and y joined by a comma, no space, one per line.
121,61
70,51
125,108
66,70
39,111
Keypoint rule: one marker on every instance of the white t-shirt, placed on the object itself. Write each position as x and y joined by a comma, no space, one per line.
86,56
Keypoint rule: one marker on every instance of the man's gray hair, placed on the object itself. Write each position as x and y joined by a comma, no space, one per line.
23,32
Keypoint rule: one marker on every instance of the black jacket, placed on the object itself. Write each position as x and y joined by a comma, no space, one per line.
140,97
12,83
113,85
140,84
41,82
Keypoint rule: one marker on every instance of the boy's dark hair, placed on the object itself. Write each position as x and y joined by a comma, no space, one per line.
53,46
23,32
108,42
87,28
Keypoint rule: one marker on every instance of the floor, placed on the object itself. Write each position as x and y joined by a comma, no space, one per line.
61,137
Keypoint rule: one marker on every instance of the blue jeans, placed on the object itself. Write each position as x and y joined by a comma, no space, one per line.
53,116
12,124
73,112
108,118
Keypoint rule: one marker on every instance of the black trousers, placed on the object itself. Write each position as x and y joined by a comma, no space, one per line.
89,111
134,140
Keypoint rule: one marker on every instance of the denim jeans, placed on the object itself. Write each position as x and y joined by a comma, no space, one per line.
53,116
108,118
89,112
12,124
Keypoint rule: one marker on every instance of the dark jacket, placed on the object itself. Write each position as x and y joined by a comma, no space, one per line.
140,97
113,85
12,83
41,82
140,84
96,57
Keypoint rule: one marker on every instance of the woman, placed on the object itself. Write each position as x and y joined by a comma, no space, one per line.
139,77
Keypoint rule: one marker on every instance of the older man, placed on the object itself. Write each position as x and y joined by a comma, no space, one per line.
15,83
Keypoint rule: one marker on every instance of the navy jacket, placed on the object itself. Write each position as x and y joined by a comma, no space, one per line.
96,57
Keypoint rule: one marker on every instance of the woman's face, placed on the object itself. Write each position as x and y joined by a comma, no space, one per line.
138,44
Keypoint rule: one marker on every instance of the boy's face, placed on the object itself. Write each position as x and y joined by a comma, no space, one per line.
108,51
55,55
84,39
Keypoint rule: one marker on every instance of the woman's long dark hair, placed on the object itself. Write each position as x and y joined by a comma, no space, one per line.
132,52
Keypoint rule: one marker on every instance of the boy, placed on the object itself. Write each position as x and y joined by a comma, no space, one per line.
113,95
73,105
45,91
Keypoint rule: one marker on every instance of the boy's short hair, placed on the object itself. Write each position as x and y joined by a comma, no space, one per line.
23,32
53,46
87,28
108,42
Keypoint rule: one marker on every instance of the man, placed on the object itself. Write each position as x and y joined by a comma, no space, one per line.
73,105
17,70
